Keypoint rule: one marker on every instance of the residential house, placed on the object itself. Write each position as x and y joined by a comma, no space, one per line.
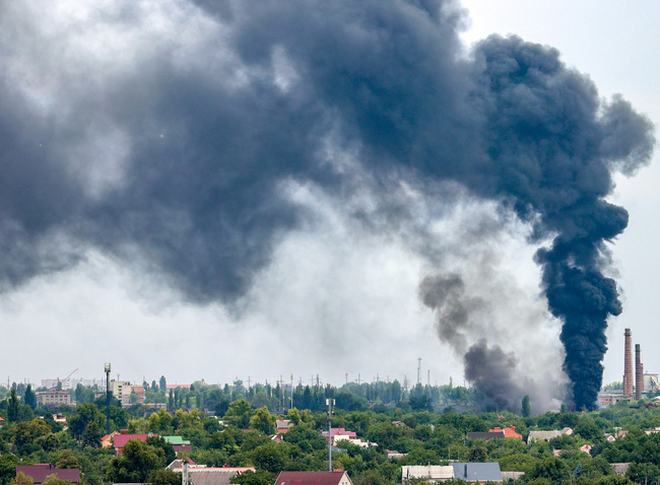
394,455
282,426
119,440
336,432
511,476
547,435
485,435
41,471
179,444
427,473
339,477
620,468
586,448
509,432
106,441
60,418
477,472
204,475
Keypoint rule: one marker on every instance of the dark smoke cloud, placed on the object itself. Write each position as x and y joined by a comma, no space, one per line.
493,372
446,296
164,133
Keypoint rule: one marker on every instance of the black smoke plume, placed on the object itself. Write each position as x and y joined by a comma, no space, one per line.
163,134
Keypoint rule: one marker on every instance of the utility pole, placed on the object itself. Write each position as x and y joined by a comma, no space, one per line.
330,403
107,368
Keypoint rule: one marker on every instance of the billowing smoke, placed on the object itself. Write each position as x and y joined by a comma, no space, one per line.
165,134
493,373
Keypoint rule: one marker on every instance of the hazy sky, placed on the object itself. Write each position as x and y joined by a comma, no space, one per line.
337,297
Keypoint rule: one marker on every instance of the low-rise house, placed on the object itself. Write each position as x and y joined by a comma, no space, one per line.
547,435
485,435
336,440
205,475
119,440
477,472
511,476
394,455
313,478
41,471
59,418
346,435
509,432
586,448
107,440
179,444
620,468
427,473
282,426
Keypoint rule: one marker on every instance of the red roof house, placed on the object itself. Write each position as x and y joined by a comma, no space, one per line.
339,477
340,432
509,432
41,471
120,440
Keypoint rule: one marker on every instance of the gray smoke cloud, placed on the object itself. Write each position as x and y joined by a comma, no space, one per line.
165,134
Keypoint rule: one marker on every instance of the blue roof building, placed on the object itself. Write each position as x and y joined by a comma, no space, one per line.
477,472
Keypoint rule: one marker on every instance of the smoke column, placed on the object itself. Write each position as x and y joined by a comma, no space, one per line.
165,134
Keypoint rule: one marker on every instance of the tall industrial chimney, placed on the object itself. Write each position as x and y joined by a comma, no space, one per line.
639,373
627,366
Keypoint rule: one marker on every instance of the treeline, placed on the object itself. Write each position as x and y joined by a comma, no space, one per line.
379,396
241,435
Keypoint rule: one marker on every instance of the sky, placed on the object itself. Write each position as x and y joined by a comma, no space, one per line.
333,289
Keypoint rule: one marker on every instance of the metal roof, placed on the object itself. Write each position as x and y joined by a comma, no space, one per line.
477,472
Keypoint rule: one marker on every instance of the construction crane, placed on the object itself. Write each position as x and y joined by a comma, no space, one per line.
64,380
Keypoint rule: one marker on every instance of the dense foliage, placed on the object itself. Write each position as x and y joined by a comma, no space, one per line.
234,425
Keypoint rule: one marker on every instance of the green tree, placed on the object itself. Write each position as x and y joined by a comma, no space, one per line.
165,449
92,434
257,477
263,421
268,457
86,414
551,468
478,454
22,479
614,480
8,468
13,407
239,414
164,477
66,459
160,423
53,480
136,463
643,473
371,477
525,407
26,433
29,397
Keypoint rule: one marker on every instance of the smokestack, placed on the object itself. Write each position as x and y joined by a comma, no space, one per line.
639,373
627,366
